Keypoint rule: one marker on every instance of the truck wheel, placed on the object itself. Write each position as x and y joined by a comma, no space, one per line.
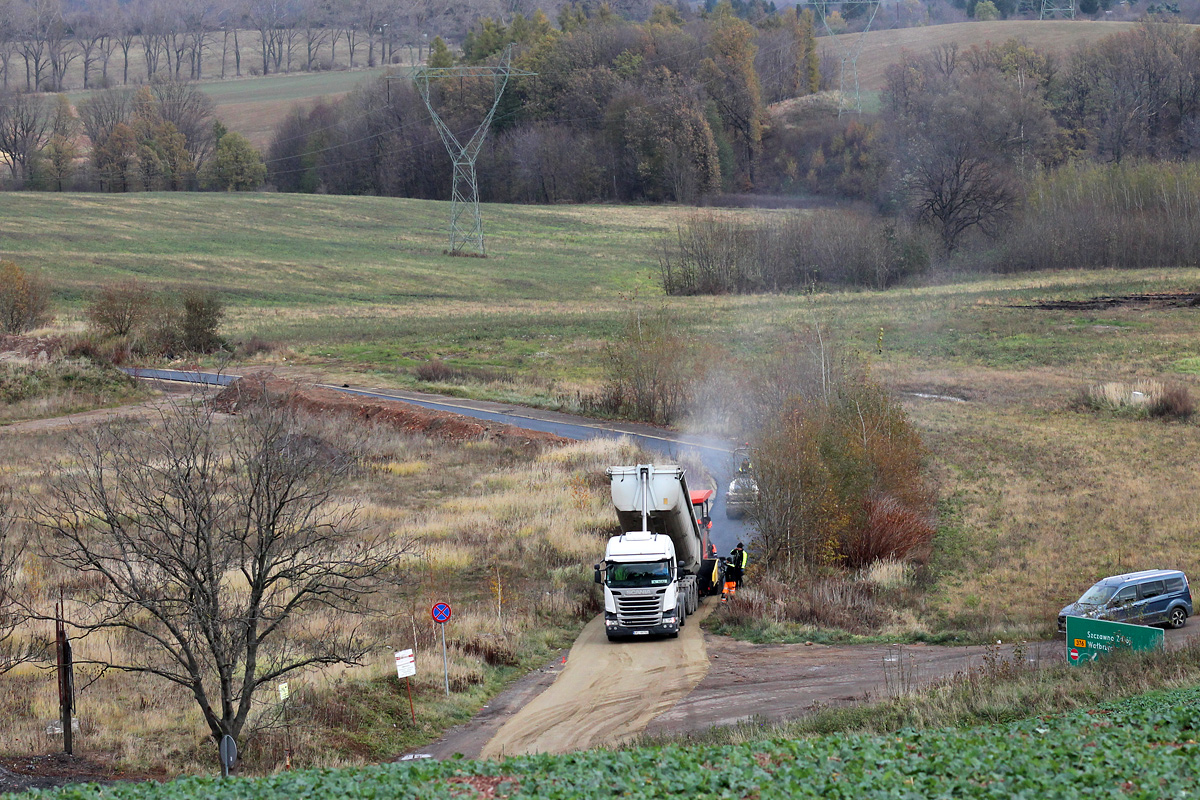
1177,618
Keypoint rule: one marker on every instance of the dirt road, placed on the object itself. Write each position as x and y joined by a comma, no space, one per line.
608,692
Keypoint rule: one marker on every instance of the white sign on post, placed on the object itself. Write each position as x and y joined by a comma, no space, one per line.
283,692
406,663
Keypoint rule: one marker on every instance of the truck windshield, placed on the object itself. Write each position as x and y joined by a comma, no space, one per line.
629,576
1098,595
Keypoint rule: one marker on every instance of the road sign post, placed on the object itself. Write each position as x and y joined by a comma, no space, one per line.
406,667
228,751
284,693
1090,639
441,615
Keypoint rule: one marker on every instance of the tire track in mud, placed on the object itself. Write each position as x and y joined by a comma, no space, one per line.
608,692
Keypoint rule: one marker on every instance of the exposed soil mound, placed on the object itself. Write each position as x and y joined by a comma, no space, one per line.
1157,300
401,416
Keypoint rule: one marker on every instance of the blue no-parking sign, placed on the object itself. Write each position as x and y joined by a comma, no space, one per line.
441,613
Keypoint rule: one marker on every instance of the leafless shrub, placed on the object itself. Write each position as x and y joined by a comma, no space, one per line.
892,531
24,299
438,371
119,308
721,254
1175,401
826,601
12,651
651,366
1123,216
256,345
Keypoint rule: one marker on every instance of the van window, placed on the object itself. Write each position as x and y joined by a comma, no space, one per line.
1126,595
1151,589
1174,585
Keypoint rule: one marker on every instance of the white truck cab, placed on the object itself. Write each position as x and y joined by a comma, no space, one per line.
649,573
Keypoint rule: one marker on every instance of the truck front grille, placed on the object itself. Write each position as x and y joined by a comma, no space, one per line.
643,611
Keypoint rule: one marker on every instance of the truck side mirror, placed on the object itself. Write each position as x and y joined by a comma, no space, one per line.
596,575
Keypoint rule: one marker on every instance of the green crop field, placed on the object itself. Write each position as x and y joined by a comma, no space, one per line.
359,290
1140,748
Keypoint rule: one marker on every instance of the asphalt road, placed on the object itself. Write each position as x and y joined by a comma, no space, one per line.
716,454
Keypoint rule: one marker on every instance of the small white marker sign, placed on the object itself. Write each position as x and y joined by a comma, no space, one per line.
283,692
406,663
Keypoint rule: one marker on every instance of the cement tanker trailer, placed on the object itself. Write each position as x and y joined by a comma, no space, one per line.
655,571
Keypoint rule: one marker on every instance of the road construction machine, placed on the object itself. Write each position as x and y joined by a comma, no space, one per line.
656,570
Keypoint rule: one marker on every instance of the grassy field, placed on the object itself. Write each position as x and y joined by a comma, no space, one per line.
1039,497
1141,747
881,48
254,106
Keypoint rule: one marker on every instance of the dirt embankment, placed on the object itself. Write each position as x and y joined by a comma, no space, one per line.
400,416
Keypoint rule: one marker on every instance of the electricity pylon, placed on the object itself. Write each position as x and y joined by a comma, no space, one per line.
1052,8
466,225
849,53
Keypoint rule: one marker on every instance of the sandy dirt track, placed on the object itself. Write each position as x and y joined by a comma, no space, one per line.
608,692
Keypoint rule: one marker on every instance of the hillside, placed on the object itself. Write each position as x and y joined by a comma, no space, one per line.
883,47
357,289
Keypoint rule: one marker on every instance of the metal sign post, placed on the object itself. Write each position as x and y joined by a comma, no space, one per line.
287,729
228,751
441,615
406,667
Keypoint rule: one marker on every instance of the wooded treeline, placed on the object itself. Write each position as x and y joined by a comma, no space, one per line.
999,157
669,109
108,42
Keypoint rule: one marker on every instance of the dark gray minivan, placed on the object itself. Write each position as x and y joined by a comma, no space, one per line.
1149,597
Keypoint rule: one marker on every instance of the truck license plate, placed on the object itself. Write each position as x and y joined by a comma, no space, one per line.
641,633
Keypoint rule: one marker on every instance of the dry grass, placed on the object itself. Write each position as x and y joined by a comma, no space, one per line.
505,535
1039,503
882,48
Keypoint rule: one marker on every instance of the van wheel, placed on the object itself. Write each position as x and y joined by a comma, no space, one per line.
1177,618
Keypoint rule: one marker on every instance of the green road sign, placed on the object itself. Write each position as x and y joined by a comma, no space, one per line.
1088,639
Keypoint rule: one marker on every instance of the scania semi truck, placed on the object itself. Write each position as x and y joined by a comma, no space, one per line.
656,570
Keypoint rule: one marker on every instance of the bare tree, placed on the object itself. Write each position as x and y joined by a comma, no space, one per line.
120,307
92,32
62,51
102,111
25,128
36,19
219,552
8,36
127,28
191,112
12,651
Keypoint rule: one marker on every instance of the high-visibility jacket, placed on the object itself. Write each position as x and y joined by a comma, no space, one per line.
740,557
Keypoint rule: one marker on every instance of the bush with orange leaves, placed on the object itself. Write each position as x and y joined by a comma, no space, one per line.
839,468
